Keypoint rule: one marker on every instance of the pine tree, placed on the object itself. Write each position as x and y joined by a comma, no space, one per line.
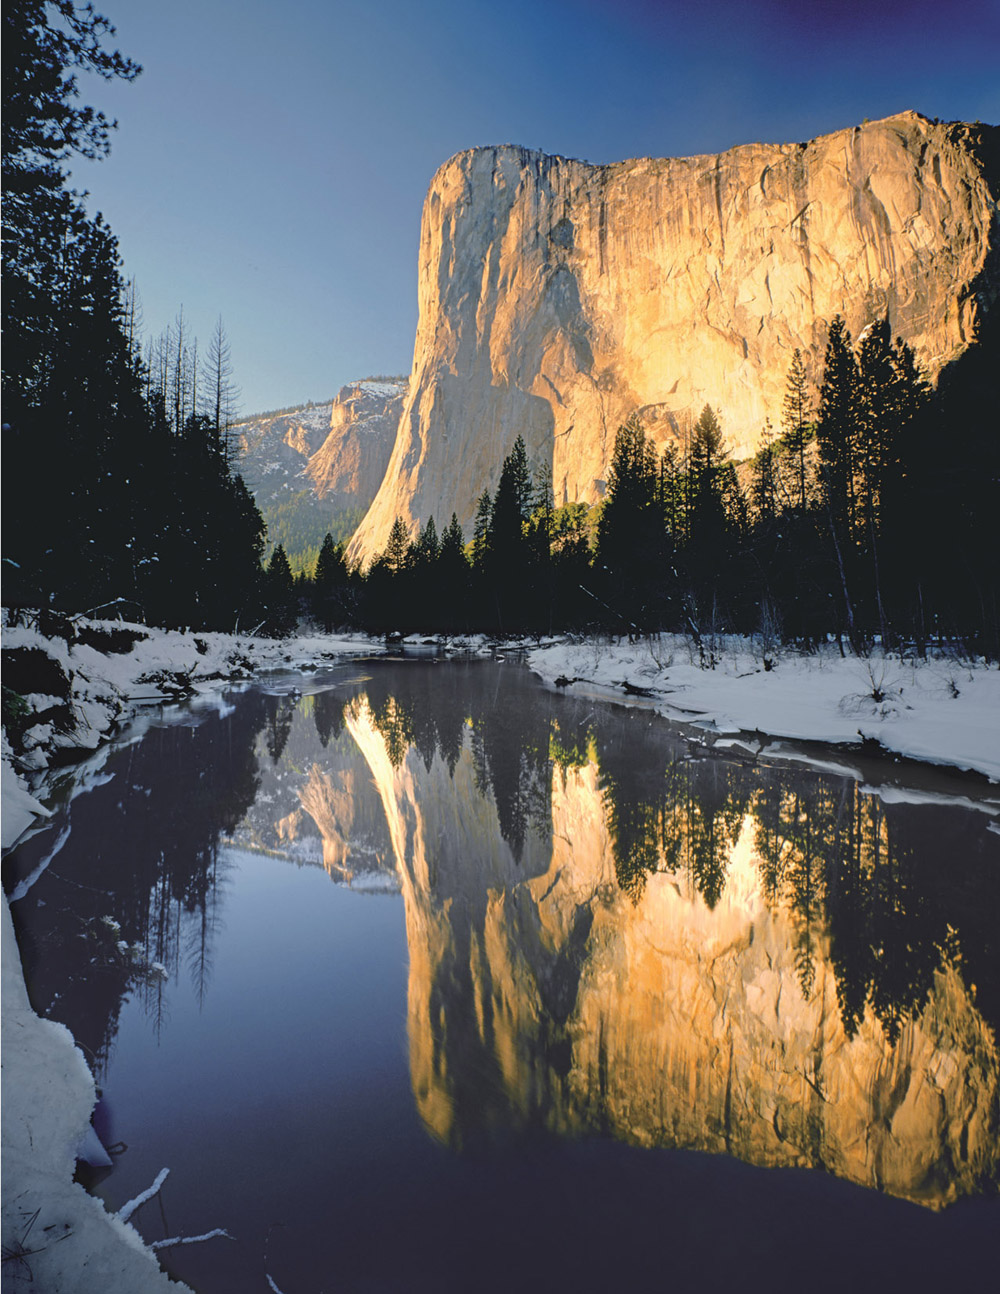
707,517
426,548
219,392
453,542
481,531
631,531
330,565
877,421
764,488
280,596
837,435
62,289
329,583
453,579
837,429
511,508
795,415
716,522
878,435
397,550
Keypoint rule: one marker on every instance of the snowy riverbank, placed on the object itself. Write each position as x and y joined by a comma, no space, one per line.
69,695
941,711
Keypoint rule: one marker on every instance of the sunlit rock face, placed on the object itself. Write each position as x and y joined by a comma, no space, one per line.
272,451
329,799
307,465
542,992
439,820
557,297
349,465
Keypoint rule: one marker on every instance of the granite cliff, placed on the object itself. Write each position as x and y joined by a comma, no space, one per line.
556,297
309,465
349,465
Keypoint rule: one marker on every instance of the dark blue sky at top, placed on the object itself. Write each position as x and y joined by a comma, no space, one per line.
272,159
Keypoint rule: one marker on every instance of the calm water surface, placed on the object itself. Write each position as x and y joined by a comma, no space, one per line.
420,977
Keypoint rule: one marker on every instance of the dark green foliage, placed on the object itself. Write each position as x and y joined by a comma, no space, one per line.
331,593
299,523
837,430
507,561
397,550
795,420
874,520
42,122
481,531
631,532
115,506
280,597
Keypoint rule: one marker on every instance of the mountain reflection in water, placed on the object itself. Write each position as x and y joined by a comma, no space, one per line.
610,930
607,935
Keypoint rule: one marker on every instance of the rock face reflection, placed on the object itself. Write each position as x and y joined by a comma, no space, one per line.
611,930
687,995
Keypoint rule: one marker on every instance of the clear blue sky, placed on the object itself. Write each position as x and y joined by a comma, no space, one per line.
272,159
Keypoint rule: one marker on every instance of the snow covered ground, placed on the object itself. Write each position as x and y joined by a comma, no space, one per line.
941,711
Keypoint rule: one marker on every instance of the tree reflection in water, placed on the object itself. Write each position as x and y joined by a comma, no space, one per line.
528,940
830,852
137,884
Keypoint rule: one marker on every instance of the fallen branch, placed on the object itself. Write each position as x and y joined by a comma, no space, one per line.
189,1240
22,887
126,1210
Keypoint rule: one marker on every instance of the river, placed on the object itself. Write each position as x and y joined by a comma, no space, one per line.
419,976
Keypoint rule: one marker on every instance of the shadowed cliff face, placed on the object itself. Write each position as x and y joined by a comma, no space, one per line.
557,297
672,965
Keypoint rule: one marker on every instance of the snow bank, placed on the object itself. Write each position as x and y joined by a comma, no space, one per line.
111,668
56,1235
59,1237
939,711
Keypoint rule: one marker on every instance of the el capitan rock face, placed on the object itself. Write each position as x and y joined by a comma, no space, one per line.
557,297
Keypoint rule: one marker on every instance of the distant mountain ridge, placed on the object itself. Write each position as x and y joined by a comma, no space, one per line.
316,467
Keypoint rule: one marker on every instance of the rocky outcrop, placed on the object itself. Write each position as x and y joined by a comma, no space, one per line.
556,297
317,467
336,451
348,467
272,451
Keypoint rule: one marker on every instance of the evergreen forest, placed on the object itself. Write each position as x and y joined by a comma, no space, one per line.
125,501
870,515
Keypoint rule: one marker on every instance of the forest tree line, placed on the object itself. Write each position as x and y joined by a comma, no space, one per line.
871,514
125,499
